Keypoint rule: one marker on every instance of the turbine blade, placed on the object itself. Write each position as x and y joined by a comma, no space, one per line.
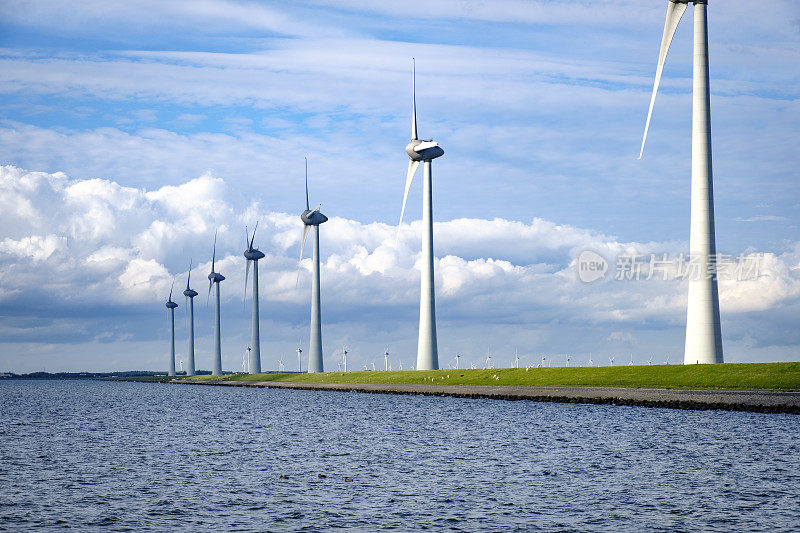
413,99
210,285
425,145
214,252
302,246
306,229
253,238
189,277
246,238
674,14
315,210
171,288
412,169
306,183
246,276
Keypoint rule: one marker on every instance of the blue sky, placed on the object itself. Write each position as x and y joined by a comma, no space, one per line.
129,132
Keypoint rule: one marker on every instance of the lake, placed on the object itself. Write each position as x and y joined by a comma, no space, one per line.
114,456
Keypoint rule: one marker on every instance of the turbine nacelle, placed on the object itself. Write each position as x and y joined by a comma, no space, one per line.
313,218
419,150
215,277
189,293
253,254
171,305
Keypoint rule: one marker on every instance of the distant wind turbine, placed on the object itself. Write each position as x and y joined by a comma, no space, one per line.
611,359
253,255
516,359
299,359
386,359
591,363
703,330
630,363
246,360
424,151
214,278
458,356
171,306
189,293
312,218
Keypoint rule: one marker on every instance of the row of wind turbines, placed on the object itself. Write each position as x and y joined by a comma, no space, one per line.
703,332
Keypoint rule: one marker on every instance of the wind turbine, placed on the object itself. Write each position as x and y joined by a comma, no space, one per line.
214,278
516,359
591,363
312,218
567,359
458,356
424,151
245,360
299,359
280,365
253,255
630,363
344,357
703,331
612,360
386,359
189,293
650,361
171,306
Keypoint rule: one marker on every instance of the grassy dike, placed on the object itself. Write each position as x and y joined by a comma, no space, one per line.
746,376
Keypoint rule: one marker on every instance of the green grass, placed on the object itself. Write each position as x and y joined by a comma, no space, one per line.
749,376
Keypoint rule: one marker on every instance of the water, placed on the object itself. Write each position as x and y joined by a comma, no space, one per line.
135,456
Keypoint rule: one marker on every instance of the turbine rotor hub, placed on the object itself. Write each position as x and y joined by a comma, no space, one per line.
216,277
189,293
171,305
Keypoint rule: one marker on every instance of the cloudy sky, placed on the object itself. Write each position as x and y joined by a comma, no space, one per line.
130,131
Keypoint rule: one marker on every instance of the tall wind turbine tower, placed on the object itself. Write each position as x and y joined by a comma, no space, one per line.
253,255
311,220
214,278
425,151
171,306
190,294
703,331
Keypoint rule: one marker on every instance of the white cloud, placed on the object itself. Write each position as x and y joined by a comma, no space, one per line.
123,246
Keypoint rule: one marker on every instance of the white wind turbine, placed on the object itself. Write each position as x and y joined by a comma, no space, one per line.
299,359
245,360
386,359
312,218
458,356
630,363
611,359
650,361
703,331
214,278
171,307
516,359
424,151
280,365
189,293
253,255
591,363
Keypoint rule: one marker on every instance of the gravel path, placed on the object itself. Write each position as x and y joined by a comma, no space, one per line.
753,401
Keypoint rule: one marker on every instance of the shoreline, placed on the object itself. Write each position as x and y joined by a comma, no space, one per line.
727,400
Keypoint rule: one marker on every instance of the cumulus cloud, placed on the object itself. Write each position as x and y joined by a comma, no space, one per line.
89,241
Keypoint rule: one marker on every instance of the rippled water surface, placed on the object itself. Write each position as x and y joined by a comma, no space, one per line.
94,455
